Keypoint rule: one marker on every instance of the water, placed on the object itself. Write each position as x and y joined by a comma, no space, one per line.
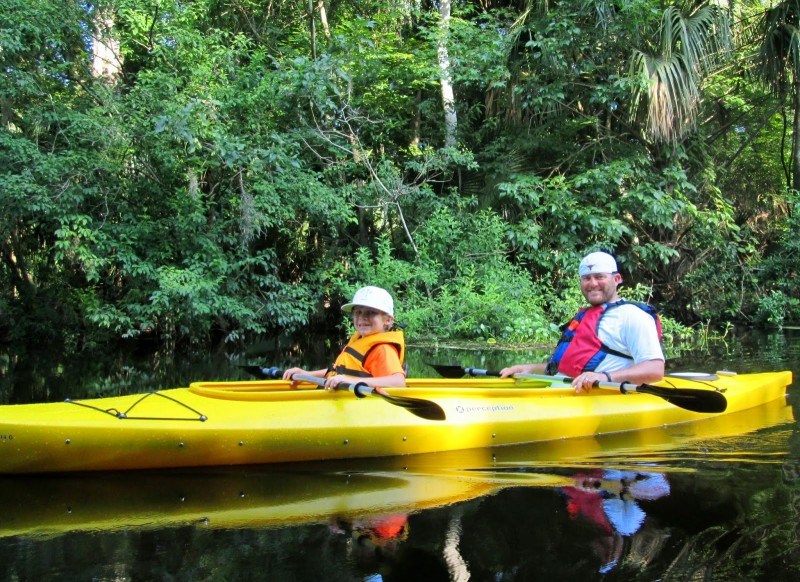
716,500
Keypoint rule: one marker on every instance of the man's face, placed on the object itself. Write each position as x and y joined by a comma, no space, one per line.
599,288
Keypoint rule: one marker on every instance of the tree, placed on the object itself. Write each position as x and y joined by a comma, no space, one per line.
106,58
669,78
448,99
228,180
779,68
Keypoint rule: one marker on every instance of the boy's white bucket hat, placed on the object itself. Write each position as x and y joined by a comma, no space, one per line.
374,297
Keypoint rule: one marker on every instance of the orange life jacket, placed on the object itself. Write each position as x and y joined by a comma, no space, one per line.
351,359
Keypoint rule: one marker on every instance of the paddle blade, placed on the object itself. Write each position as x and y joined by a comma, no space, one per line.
706,401
426,409
423,408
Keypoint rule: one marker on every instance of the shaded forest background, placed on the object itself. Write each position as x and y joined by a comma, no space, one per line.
205,172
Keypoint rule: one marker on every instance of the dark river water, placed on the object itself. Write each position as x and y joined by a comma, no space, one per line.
713,500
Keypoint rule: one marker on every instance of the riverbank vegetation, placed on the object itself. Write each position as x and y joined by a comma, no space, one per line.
207,171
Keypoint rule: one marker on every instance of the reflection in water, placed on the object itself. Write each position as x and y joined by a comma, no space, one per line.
375,547
393,523
608,499
459,570
377,536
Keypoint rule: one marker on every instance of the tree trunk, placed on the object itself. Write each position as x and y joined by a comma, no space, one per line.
323,18
796,138
106,59
312,30
448,98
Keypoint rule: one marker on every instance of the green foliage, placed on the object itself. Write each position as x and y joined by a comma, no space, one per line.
230,181
462,286
776,296
776,307
617,203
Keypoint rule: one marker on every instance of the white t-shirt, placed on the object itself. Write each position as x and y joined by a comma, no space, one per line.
630,330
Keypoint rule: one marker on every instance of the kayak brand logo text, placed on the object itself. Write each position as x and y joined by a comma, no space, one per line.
6,437
495,408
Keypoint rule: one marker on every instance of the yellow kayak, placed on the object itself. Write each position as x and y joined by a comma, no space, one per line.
248,422
355,490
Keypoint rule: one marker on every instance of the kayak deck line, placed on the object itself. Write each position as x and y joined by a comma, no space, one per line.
127,416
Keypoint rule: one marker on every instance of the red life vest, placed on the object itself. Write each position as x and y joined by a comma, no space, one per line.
580,349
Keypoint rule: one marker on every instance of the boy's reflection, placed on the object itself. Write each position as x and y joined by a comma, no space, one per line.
374,535
376,545
607,498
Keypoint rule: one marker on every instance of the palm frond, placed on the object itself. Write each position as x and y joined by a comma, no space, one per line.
700,37
779,56
672,95
669,80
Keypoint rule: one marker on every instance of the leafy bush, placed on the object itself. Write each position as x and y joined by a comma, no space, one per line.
776,307
777,293
462,285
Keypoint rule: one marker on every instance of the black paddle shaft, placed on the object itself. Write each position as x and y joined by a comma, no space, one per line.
263,373
426,409
456,371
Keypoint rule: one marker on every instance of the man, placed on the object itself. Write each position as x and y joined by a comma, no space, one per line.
612,340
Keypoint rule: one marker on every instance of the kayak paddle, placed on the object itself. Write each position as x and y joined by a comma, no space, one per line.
264,373
455,371
708,401
696,400
423,408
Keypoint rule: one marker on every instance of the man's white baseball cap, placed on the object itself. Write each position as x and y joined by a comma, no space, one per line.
374,297
598,262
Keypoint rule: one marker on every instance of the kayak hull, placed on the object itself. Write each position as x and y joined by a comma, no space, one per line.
238,423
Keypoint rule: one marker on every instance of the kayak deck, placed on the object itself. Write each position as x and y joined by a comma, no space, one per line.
233,423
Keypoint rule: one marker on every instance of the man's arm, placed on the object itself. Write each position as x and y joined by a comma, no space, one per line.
641,373
523,369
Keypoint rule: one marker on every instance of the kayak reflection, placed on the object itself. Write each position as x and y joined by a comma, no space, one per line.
608,500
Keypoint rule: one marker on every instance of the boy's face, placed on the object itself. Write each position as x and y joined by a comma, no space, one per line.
367,320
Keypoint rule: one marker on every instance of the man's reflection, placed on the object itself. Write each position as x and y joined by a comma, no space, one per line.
608,499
